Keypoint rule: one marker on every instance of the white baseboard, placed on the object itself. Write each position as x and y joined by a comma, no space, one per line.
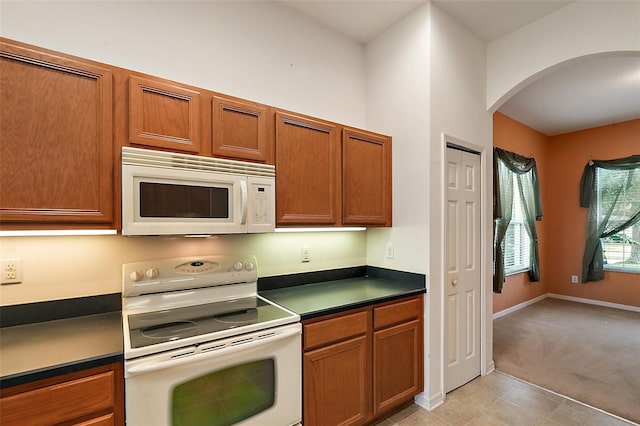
427,403
490,368
526,303
519,306
594,302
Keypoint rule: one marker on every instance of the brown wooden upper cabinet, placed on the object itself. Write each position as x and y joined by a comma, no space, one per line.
60,162
164,115
322,180
240,129
56,154
307,170
366,178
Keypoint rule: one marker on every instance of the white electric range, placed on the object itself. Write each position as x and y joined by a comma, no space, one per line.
202,347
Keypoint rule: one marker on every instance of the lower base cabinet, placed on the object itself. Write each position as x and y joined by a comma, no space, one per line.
360,365
93,397
337,378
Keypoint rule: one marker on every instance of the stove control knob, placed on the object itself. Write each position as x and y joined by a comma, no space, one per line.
152,273
249,266
136,276
238,266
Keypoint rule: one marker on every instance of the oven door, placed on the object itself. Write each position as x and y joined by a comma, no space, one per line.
252,379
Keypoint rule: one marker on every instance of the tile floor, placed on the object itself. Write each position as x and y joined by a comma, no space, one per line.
499,399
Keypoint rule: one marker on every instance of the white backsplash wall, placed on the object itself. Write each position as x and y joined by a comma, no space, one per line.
75,266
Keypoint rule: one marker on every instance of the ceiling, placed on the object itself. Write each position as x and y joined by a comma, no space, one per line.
581,94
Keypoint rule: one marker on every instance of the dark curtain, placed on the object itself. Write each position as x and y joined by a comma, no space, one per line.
507,166
613,218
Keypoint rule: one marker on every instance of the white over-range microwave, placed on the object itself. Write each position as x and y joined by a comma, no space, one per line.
165,193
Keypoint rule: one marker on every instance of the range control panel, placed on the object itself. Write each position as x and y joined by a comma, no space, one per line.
164,275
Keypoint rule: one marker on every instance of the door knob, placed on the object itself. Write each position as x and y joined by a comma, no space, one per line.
454,282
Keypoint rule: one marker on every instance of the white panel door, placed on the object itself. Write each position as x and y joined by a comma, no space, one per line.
462,286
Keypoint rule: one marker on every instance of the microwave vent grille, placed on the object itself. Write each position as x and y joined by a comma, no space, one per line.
171,160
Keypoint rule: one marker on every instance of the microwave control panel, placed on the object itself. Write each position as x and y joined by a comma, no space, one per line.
261,202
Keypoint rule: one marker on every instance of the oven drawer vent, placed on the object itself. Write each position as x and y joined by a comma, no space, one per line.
213,348
266,335
241,341
180,355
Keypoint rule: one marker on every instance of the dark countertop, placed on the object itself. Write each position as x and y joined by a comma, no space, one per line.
46,349
328,297
48,339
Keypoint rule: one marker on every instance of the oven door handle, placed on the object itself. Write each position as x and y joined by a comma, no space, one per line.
232,349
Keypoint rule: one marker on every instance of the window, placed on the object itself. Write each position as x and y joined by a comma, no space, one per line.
517,244
621,251
516,208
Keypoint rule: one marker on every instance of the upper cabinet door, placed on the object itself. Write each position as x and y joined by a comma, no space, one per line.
56,133
240,129
366,178
164,115
307,170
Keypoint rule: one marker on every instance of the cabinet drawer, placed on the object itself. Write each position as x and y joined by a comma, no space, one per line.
397,313
60,402
335,329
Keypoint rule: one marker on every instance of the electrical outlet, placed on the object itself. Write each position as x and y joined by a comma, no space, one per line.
305,254
574,279
389,252
11,271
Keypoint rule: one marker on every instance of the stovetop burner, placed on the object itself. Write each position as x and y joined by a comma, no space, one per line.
172,330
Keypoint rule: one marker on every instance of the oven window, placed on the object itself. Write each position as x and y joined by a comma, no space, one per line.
183,201
225,397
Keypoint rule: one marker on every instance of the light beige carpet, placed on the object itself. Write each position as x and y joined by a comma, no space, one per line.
586,352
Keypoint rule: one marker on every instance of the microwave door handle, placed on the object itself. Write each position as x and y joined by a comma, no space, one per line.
219,353
243,200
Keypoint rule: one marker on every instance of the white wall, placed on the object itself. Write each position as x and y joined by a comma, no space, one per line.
457,109
398,104
426,76
257,50
577,29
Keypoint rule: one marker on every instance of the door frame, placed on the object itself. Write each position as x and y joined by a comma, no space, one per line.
486,253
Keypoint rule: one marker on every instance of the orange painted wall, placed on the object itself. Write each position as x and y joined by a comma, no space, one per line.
561,233
568,155
516,137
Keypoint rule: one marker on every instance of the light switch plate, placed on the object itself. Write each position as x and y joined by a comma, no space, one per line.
389,252
305,254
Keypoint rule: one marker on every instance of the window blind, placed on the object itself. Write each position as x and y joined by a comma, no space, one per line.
516,244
